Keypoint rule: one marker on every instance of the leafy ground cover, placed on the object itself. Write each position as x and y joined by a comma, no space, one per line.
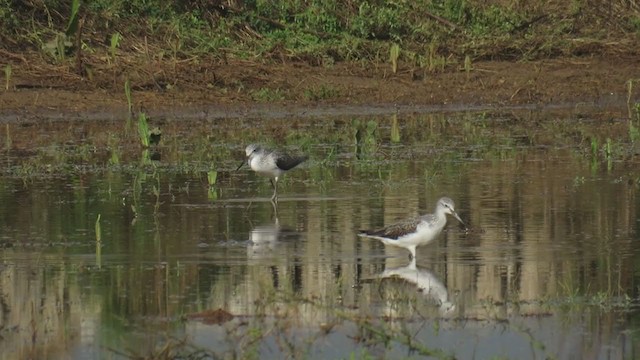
222,52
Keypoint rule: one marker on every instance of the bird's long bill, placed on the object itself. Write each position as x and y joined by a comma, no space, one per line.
242,163
458,218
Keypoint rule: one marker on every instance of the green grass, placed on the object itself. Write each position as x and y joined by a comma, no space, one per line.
323,92
127,94
7,76
394,54
115,43
320,32
143,130
268,95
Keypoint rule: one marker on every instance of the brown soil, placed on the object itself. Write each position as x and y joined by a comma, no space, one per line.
238,88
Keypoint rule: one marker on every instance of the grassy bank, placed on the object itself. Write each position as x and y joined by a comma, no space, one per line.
425,33
260,51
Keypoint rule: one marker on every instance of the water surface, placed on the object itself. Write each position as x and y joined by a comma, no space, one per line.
111,250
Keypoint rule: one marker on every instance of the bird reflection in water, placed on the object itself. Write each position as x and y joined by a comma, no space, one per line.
271,240
426,282
276,246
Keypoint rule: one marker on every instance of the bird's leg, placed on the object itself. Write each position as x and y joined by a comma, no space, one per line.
412,264
274,198
275,210
412,253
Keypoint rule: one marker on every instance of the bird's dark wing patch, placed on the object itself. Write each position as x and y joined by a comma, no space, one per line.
397,230
287,162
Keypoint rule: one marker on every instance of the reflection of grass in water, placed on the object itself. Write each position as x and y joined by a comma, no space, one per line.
574,298
275,320
379,332
599,299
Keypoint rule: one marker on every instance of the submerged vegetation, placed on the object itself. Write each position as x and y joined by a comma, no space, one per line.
369,141
170,241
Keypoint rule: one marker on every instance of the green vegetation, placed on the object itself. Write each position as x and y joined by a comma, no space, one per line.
394,54
115,43
7,76
143,130
134,198
322,92
268,95
212,179
127,93
98,230
372,140
320,32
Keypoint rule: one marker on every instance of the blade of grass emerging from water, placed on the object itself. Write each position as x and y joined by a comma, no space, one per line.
98,242
143,130
127,93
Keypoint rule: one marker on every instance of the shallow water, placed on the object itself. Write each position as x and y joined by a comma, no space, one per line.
548,266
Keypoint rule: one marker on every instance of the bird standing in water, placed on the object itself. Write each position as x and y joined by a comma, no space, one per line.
416,231
271,163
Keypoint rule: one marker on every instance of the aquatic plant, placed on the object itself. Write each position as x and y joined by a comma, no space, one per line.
154,136
380,332
98,231
143,130
127,94
395,129
114,159
212,177
156,192
365,137
607,152
594,147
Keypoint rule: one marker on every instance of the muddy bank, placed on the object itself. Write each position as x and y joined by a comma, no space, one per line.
247,90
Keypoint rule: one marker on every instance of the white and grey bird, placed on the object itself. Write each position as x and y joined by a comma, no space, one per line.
271,163
417,231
